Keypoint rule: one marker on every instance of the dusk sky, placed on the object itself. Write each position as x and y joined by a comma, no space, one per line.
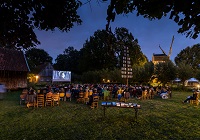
150,34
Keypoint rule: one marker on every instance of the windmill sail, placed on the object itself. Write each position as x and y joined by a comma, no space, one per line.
162,50
170,50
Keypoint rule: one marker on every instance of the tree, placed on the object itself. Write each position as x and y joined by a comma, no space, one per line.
184,71
106,49
185,13
197,75
98,52
36,57
125,38
20,18
68,61
165,71
190,56
143,74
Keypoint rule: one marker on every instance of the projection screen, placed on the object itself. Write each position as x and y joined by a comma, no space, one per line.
61,76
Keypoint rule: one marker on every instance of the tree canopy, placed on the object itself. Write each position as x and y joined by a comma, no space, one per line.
103,50
184,71
36,57
20,18
166,71
68,61
98,52
190,56
184,12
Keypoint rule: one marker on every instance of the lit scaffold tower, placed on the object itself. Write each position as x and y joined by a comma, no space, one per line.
126,70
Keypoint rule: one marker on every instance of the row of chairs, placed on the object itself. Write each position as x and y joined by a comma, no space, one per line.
147,94
65,96
40,100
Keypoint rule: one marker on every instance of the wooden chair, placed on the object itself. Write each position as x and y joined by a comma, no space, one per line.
86,96
62,96
80,98
144,95
56,99
49,99
68,96
196,101
38,91
151,94
127,95
90,92
31,101
122,99
95,102
40,100
23,97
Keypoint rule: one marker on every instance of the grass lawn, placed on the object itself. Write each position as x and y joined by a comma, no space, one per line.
158,119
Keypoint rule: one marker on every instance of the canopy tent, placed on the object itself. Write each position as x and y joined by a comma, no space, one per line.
192,82
177,80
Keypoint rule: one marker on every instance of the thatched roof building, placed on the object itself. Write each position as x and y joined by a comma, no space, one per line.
13,68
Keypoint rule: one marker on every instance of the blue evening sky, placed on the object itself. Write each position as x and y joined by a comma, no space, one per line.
149,33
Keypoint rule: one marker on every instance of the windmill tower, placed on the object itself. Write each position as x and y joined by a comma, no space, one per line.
157,58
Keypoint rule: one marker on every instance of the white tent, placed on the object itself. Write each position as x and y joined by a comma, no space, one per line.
177,80
192,82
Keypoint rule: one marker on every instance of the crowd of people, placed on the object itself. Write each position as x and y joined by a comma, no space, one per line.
110,91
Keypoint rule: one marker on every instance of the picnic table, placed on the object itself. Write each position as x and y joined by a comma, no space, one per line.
134,106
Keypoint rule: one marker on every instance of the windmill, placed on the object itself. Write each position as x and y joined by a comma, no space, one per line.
170,49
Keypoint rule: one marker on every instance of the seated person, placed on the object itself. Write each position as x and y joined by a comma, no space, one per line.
32,92
193,97
164,95
106,93
119,93
91,96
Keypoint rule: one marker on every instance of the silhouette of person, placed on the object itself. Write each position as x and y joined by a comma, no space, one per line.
62,75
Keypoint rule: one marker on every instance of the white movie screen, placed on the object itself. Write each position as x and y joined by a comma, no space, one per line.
62,76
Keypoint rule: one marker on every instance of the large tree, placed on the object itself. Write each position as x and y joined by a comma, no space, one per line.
19,18
68,61
125,39
165,71
190,56
36,57
184,12
143,74
184,71
98,52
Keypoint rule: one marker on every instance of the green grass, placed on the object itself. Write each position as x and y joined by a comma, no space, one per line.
158,119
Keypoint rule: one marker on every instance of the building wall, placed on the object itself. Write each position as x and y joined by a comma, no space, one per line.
46,74
13,79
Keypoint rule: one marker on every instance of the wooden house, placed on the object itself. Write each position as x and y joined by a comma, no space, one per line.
13,68
159,58
42,73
